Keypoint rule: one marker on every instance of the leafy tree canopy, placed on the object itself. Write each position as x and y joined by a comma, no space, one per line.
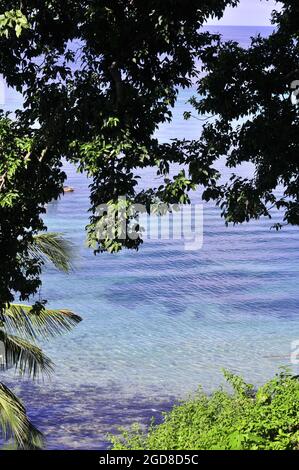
247,93
97,80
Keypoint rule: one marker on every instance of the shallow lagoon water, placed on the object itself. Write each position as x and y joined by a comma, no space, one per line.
161,321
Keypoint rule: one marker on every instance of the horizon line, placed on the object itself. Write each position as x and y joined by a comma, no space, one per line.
242,25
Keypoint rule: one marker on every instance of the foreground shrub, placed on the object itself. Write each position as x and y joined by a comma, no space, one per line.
263,419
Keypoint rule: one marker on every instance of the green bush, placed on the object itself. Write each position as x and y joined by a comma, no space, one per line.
263,419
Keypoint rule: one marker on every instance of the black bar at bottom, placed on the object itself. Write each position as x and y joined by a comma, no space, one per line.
135,459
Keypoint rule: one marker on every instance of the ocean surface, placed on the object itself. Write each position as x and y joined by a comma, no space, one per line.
160,322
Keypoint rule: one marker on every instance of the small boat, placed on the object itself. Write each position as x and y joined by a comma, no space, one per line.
68,189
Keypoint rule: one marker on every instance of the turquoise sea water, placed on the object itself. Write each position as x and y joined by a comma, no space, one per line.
159,322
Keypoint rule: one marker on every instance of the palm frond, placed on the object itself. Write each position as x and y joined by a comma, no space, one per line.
54,248
29,323
24,356
15,424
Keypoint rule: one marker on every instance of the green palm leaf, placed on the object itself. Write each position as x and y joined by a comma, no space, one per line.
15,423
54,248
29,323
24,356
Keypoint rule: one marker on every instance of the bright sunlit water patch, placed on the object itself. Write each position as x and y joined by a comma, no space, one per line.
159,322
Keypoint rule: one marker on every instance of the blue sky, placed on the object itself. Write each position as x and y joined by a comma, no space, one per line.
248,13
